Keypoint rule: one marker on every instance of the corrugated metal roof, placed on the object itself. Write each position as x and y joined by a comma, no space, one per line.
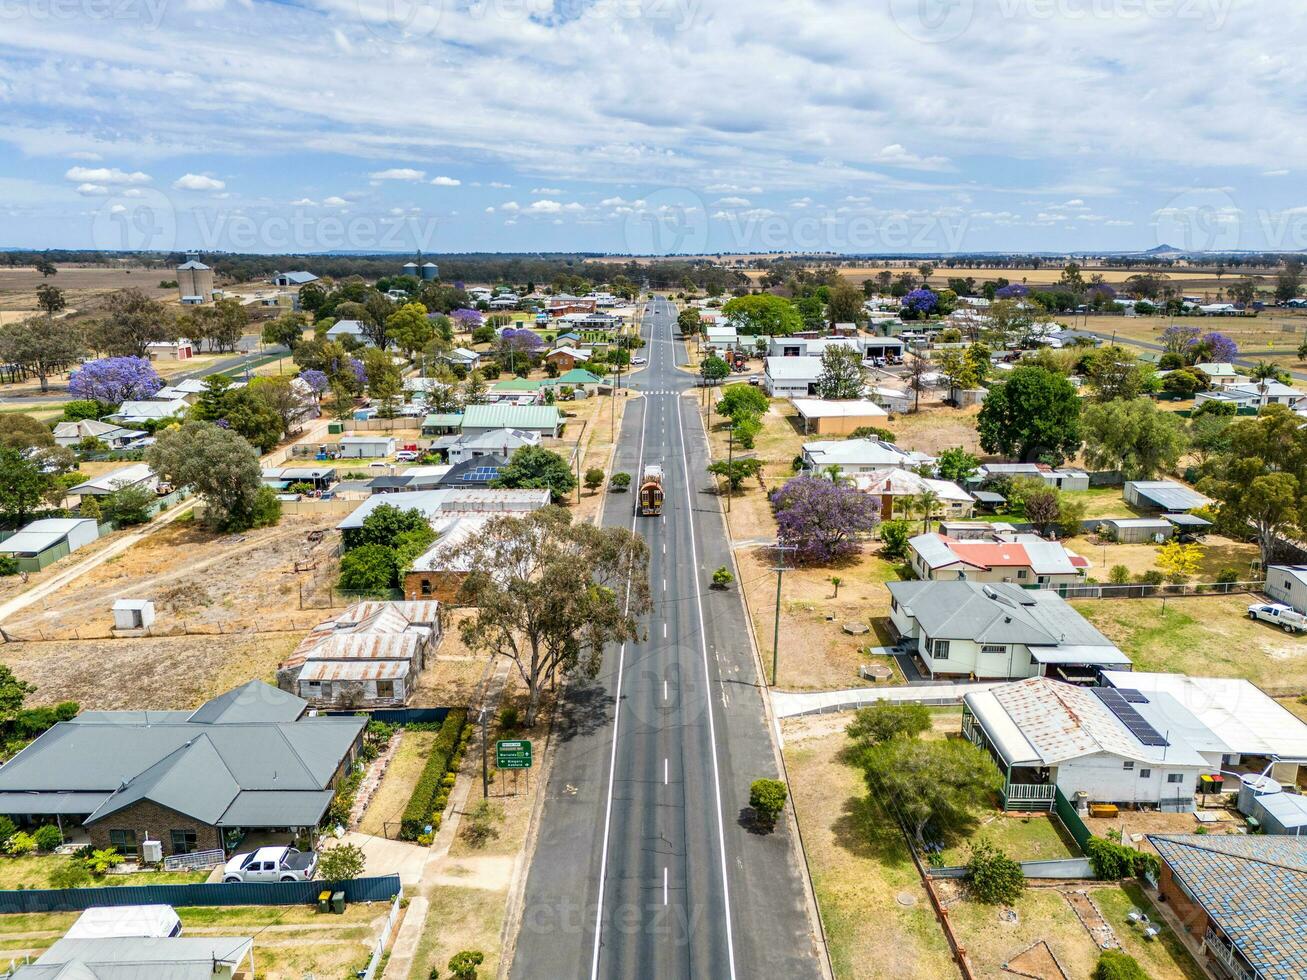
511,417
354,670
1254,888
1168,495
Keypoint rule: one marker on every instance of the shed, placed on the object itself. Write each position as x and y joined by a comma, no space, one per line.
360,447
1287,584
1164,495
839,418
1138,530
988,499
132,614
42,543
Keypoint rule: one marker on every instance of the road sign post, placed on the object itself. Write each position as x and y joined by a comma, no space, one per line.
513,754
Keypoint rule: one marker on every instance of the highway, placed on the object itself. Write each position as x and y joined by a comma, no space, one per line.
643,866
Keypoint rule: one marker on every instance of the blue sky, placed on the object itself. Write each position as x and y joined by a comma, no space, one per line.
653,125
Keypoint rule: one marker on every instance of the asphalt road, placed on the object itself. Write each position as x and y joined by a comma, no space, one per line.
644,865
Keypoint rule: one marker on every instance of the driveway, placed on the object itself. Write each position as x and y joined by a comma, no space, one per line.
389,857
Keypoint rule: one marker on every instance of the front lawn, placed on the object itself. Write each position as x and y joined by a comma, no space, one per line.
34,871
1022,836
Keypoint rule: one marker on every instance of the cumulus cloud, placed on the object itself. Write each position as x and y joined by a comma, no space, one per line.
446,181
92,190
546,190
335,202
198,182
304,202
105,175
398,173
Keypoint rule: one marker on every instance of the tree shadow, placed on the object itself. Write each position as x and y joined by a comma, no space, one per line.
587,707
748,819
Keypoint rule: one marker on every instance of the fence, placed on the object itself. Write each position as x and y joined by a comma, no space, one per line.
1143,590
274,893
1062,869
194,861
1071,820
379,950
383,425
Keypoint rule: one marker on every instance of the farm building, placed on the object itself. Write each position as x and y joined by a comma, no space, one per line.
837,418
293,278
1138,530
1243,899
44,542
1287,584
367,446
170,350
370,656
1163,495
545,420
791,377
997,631
1090,743
250,760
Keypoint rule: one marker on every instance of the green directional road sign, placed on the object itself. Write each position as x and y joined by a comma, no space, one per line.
513,753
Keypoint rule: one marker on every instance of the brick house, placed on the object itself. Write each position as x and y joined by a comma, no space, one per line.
248,760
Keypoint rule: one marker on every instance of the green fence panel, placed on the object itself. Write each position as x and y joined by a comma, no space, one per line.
1070,819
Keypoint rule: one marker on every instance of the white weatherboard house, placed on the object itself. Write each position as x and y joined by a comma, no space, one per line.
367,446
855,456
998,631
1100,745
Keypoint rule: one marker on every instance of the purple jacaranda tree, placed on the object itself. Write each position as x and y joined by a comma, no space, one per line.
922,302
1178,338
519,343
114,380
822,518
315,379
360,372
1219,347
1013,290
466,319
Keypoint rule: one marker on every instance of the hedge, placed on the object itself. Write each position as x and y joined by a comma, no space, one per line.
421,804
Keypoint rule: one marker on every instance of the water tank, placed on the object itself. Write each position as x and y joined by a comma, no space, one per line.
1253,785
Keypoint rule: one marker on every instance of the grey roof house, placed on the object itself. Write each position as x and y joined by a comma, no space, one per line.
248,760
143,958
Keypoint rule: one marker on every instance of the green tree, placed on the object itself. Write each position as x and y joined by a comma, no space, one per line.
841,373
767,800
251,416
19,430
1115,373
713,369
688,322
341,862
410,328
1117,964
594,478
957,465
281,396
550,593
126,506
883,720
386,525
369,568
219,465
994,877
619,481
385,382
42,345
50,299
287,330
1033,414
537,468
739,400
894,537
132,322
1133,437
763,313
735,471
463,964
844,303
22,485
931,783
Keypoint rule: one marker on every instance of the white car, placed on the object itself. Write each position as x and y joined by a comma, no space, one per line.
407,456
271,864
639,360
1287,618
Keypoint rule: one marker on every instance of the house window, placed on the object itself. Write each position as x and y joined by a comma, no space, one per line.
1022,573
1175,777
1129,764
993,649
939,650
184,842
426,587
123,841
1145,774
385,689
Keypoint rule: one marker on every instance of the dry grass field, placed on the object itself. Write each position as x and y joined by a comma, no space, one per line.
84,287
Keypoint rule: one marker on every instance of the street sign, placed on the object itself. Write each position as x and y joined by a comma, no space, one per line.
513,754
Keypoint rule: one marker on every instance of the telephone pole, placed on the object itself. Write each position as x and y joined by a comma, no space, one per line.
776,628
730,459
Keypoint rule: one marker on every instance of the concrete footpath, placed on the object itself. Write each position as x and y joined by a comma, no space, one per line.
787,704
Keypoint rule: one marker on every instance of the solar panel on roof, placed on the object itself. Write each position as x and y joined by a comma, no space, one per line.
1133,696
1115,701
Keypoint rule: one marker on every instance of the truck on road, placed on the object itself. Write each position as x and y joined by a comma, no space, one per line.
650,498
1285,617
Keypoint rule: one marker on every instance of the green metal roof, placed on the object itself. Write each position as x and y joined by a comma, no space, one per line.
578,376
511,417
517,384
443,420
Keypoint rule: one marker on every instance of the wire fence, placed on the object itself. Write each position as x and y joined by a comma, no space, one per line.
1151,590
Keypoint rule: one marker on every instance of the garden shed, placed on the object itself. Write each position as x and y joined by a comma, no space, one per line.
1138,530
44,542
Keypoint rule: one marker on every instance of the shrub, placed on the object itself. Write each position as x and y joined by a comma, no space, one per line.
341,862
463,965
8,565
7,829
767,799
1115,964
47,837
508,718
71,875
894,537
1112,862
417,814
994,877
482,824
722,578
619,481
20,843
1119,575
594,478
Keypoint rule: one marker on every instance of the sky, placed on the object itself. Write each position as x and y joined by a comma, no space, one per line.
653,126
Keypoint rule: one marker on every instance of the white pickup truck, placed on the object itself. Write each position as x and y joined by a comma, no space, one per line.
1288,619
271,864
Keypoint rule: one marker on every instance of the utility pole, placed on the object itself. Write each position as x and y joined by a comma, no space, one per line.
776,628
485,748
730,458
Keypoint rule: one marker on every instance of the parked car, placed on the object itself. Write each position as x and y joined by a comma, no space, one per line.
271,864
754,379
407,456
1287,618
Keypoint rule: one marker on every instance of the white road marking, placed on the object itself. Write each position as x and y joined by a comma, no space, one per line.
612,759
664,690
664,631
664,884
664,770
712,728
664,585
